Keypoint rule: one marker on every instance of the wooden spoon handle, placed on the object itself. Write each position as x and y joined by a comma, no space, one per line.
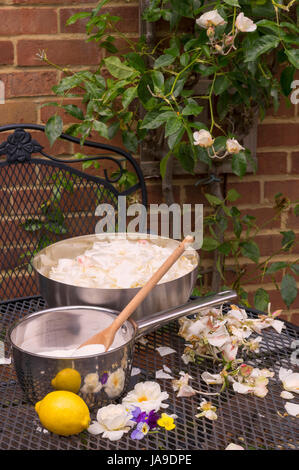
140,296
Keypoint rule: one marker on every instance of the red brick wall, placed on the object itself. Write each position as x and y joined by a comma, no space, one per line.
28,26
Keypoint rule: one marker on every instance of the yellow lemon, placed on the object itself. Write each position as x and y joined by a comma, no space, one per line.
67,379
63,412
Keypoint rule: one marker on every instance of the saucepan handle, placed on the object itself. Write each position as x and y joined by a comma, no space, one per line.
166,316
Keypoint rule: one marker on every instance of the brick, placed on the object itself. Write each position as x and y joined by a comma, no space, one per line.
28,21
18,112
47,2
196,195
264,217
295,163
287,188
62,52
292,221
249,192
129,22
155,195
6,53
295,319
278,135
273,163
269,245
284,110
251,275
48,111
276,300
22,84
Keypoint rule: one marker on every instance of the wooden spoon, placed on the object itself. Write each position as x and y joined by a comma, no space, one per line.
106,336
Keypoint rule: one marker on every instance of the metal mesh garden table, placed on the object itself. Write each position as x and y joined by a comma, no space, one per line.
250,421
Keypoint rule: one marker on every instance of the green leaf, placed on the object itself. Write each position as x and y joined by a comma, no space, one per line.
74,111
239,164
293,56
130,141
233,3
261,300
78,16
232,195
295,268
128,95
288,239
172,125
54,128
164,61
134,60
296,210
163,164
225,248
250,250
154,119
260,46
184,154
213,200
101,128
288,289
209,244
221,84
117,68
158,81
276,267
286,79
192,108
174,139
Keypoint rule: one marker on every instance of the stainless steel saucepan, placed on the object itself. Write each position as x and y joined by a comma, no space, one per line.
104,377
164,295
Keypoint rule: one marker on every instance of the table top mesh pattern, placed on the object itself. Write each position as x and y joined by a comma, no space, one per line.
250,421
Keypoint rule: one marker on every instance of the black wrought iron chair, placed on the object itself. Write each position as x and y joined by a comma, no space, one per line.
44,198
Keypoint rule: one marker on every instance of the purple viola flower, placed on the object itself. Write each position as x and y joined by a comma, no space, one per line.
104,378
138,415
140,431
152,419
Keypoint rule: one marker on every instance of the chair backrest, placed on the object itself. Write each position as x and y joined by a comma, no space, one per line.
44,199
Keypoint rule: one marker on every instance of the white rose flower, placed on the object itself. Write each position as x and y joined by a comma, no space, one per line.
207,410
112,422
115,383
91,383
210,18
147,396
203,138
244,24
233,146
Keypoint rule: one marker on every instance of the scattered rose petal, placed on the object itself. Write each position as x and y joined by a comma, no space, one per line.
212,378
165,350
292,409
167,369
161,374
287,395
3,359
233,446
135,371
290,380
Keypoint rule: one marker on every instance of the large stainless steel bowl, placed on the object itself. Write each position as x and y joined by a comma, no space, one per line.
164,295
